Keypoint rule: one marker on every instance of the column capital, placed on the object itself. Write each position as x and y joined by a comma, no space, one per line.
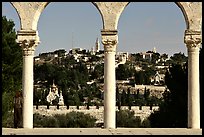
109,40
193,39
28,40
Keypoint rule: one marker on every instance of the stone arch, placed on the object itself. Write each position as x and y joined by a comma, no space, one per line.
182,7
184,13
46,3
133,19
189,10
193,18
34,10
29,13
192,12
27,37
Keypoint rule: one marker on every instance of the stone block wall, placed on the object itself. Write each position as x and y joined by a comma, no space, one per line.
143,111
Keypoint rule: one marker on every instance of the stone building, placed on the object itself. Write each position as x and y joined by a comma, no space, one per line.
54,95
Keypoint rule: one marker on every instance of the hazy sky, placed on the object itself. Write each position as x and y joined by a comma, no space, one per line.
142,26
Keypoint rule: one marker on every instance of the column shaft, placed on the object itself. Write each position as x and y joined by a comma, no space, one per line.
109,40
28,91
193,89
109,90
28,40
193,40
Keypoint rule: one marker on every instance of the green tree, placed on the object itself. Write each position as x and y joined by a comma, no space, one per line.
155,57
123,98
11,65
49,76
173,110
69,120
98,71
129,98
60,52
146,96
164,57
178,58
122,72
118,97
127,118
137,57
139,77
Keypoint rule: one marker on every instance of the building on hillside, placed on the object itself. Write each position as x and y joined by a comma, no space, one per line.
157,79
54,95
121,58
97,48
61,99
75,50
148,55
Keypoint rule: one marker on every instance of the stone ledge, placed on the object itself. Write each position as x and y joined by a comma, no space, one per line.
100,131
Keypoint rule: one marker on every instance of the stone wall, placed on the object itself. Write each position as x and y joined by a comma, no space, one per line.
143,112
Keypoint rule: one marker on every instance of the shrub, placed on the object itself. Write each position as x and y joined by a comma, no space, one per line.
37,120
44,121
62,120
51,122
79,119
126,118
146,123
69,120
8,122
7,105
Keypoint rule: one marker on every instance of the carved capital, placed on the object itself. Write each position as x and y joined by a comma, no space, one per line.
28,40
109,44
193,39
109,40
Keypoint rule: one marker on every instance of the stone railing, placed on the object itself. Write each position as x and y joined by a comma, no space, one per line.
96,111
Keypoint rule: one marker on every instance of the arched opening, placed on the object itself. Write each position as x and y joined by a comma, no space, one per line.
145,29
142,26
73,27
75,33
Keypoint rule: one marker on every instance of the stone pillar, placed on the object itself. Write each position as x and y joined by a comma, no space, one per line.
28,40
193,42
109,40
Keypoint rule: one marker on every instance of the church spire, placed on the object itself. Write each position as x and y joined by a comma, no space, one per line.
97,45
154,50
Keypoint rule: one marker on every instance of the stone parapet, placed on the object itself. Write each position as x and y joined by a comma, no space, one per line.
143,111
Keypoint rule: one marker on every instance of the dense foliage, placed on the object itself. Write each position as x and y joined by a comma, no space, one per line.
71,77
11,66
173,111
136,99
68,120
127,118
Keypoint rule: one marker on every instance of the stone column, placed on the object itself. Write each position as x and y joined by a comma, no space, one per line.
193,42
109,40
28,40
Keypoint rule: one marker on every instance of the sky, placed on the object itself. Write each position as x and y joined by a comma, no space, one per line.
142,26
